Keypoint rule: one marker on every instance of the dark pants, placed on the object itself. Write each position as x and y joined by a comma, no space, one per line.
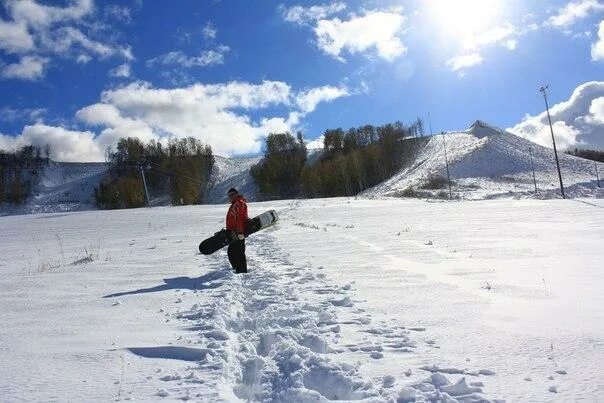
236,253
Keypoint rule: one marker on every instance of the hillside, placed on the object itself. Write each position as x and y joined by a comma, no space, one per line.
486,162
67,186
228,173
62,186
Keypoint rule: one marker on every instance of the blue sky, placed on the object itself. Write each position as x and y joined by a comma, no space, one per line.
79,75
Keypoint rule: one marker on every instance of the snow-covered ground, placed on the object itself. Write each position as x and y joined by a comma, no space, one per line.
346,299
486,163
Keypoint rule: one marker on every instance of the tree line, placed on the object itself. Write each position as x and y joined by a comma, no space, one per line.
594,155
181,170
20,172
350,161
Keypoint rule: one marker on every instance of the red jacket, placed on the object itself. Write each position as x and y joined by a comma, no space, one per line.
237,215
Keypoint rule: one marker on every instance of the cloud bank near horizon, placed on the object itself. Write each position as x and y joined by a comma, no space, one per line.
220,115
577,122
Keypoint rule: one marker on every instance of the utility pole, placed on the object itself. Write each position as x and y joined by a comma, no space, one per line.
533,168
142,168
549,118
447,165
446,159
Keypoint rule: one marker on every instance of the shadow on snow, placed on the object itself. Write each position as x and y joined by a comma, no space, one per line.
207,281
171,353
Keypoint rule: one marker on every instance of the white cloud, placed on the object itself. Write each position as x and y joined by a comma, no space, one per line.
116,125
374,29
207,112
141,98
62,40
505,35
597,49
498,35
218,114
596,112
316,144
539,132
40,31
37,15
118,13
14,37
574,11
122,71
462,62
7,143
307,101
29,68
231,117
83,58
205,58
8,114
511,44
578,122
209,32
302,15
66,145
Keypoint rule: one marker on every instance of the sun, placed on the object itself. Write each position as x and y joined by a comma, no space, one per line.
463,20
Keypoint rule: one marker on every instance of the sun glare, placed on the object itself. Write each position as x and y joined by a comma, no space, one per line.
464,19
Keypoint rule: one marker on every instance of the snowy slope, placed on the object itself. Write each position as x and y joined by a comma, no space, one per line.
228,173
486,162
383,300
63,186
70,186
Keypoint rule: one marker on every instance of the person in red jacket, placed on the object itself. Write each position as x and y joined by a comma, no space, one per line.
235,222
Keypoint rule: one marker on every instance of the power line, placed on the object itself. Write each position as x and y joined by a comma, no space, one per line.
5,169
161,174
177,175
172,175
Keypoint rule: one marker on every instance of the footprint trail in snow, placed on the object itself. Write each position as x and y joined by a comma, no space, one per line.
275,335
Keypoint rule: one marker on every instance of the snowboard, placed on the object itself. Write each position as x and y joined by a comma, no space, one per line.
224,237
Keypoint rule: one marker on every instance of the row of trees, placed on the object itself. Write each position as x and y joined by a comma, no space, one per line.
181,170
593,155
19,172
278,175
350,162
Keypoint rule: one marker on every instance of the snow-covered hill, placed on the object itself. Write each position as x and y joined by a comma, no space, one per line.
486,162
469,301
228,173
62,186
67,186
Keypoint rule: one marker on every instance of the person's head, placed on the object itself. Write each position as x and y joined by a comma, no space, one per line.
232,194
